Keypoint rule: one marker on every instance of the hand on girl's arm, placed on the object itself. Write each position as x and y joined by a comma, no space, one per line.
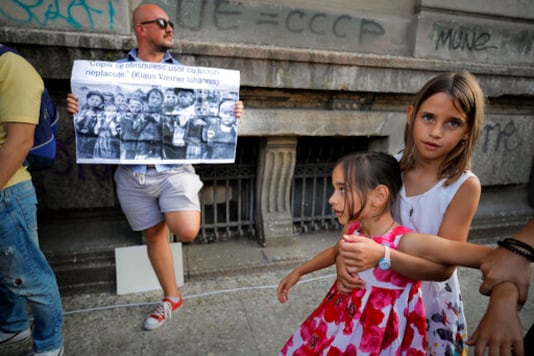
346,281
499,330
360,253
502,265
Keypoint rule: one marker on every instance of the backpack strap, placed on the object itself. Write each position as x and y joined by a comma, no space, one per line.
5,49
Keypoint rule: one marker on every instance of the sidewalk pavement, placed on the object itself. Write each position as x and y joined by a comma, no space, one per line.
230,305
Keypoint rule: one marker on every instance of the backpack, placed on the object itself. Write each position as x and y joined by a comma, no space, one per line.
43,152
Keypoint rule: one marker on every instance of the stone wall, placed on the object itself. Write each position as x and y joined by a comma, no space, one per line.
361,61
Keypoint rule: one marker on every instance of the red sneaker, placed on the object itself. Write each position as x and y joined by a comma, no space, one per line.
161,313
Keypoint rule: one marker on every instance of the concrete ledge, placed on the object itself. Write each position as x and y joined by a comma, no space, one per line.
321,123
96,41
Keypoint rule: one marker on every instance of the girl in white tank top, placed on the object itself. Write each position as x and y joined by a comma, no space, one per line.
439,196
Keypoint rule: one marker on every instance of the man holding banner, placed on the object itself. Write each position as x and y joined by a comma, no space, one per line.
154,197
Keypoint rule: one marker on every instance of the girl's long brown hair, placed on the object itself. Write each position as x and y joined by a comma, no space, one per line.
468,97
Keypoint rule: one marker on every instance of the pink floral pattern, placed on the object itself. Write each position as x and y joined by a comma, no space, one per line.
385,318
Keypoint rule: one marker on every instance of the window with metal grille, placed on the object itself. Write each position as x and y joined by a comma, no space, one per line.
228,196
312,182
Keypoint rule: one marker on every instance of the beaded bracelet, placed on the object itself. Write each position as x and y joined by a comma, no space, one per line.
510,245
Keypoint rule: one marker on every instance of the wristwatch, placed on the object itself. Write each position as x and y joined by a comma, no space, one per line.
385,263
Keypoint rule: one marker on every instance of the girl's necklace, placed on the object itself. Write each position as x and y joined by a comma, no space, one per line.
385,231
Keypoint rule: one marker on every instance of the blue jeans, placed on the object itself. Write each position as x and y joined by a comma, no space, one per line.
25,275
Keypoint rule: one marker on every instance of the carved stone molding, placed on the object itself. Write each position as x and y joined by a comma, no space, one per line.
276,165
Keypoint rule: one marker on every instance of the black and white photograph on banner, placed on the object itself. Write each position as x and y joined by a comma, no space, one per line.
147,113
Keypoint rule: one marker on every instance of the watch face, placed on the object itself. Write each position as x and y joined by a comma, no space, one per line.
384,265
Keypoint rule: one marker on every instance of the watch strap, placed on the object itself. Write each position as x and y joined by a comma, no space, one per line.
385,263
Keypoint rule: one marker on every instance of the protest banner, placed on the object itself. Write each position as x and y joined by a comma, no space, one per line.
154,113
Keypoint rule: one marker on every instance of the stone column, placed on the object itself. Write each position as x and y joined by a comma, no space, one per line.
276,167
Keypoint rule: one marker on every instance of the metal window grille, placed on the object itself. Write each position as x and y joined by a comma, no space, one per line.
310,192
312,187
228,196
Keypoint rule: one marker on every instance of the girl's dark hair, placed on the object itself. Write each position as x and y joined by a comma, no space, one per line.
468,98
364,171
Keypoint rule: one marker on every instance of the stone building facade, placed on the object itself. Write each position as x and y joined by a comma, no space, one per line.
313,73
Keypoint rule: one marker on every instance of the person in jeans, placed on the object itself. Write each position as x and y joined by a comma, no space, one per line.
158,197
25,275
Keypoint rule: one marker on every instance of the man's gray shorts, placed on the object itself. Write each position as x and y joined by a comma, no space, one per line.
144,198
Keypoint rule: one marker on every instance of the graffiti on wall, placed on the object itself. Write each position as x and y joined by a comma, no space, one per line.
197,17
504,152
228,20
473,39
225,16
463,38
78,14
497,137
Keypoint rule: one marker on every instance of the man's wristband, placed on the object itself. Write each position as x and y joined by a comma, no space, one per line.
521,244
518,247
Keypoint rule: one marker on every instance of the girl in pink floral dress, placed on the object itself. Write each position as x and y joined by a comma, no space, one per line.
440,196
386,316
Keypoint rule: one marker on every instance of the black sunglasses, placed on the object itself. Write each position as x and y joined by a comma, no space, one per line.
162,23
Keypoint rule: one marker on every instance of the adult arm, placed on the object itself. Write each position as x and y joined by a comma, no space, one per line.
503,265
21,88
499,330
324,259
13,152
